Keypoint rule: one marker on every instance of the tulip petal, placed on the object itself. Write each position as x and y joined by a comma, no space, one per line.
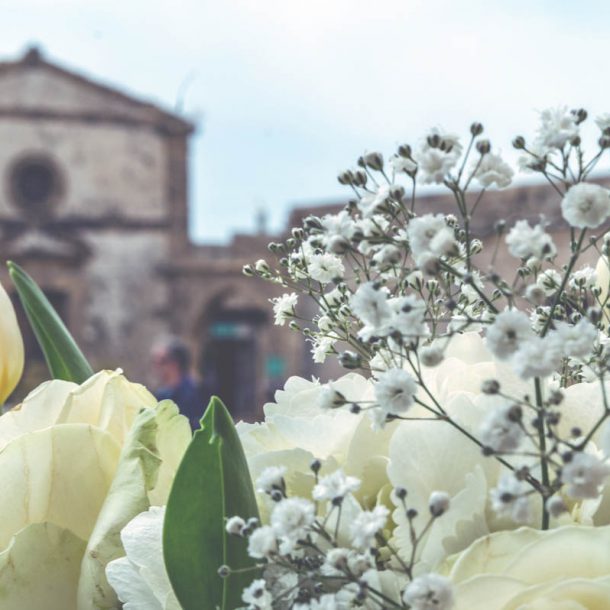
173,437
59,474
40,569
155,432
11,347
127,497
40,409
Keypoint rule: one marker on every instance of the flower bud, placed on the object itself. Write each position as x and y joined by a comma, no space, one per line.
519,143
483,146
261,266
476,129
350,360
404,150
11,347
438,503
580,114
490,386
374,160
234,526
360,178
555,506
298,233
346,177
431,355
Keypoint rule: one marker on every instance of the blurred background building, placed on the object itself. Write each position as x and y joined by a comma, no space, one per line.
94,204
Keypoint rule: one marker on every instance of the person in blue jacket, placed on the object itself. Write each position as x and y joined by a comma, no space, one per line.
172,362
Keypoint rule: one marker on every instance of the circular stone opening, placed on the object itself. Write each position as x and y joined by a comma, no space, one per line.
35,183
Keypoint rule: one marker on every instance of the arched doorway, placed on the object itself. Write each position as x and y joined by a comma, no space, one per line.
231,355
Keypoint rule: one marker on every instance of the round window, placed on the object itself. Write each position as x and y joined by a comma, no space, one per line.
35,183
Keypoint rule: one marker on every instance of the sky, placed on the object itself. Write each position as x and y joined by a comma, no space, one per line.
287,93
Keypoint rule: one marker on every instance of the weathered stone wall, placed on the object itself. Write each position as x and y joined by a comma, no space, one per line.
106,169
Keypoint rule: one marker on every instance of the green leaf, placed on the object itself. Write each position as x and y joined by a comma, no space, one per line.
63,356
211,485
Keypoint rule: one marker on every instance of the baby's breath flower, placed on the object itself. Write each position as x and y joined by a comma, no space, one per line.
429,236
262,543
511,498
437,156
508,332
501,430
395,391
583,278
335,486
492,169
290,519
557,127
257,596
549,281
367,524
283,307
271,479
235,525
370,304
525,241
576,340
537,357
583,475
322,346
586,205
325,268
429,592
330,398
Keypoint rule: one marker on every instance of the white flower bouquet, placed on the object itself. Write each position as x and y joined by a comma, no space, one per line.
462,461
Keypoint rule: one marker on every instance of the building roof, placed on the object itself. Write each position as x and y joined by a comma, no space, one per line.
526,201
34,87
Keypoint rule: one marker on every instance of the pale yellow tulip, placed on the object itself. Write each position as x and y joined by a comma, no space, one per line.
11,347
77,463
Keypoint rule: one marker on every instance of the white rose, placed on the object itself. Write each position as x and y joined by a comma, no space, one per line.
428,455
140,579
296,431
563,569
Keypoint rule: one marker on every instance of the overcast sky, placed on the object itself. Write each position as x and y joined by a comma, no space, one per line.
287,93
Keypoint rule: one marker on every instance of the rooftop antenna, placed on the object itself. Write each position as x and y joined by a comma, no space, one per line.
187,81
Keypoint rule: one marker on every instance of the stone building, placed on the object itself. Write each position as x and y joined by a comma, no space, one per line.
93,203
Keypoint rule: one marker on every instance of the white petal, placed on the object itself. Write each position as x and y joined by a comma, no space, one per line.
131,588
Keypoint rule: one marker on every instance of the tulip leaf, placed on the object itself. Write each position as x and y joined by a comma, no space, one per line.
63,356
212,484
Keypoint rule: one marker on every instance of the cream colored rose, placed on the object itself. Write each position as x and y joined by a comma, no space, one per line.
11,347
563,569
77,463
296,431
429,455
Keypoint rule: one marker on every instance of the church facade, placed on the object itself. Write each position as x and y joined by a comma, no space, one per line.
93,203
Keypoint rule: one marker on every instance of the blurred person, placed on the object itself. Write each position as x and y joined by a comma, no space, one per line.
172,366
